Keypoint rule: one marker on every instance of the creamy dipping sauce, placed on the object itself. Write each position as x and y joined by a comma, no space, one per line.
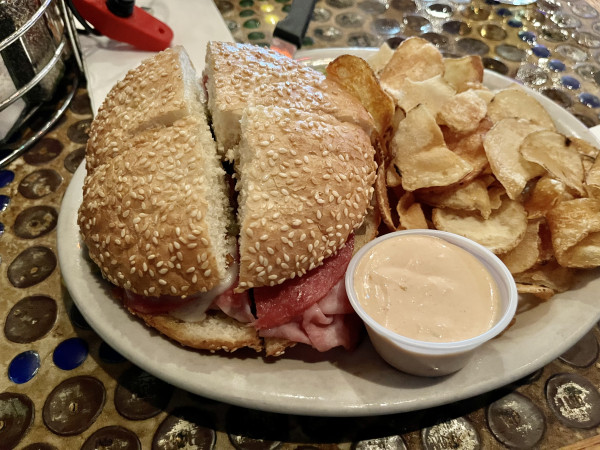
425,288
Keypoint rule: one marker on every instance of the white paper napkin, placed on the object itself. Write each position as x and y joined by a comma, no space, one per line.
194,23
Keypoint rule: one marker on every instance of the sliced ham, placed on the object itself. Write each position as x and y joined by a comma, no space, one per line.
236,305
329,323
280,304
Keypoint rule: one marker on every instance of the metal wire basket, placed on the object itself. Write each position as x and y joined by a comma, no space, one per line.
40,69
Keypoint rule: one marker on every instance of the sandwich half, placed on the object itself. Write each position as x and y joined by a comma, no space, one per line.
155,214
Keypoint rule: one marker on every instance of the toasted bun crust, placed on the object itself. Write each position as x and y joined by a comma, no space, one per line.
306,184
216,332
242,75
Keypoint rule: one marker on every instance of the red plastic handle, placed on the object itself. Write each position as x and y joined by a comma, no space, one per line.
141,29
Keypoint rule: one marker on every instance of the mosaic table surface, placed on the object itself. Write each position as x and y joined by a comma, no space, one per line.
62,387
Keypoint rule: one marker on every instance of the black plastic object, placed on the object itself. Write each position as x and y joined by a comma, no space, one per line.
121,8
293,27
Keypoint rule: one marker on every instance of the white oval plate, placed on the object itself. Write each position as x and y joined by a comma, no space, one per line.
336,383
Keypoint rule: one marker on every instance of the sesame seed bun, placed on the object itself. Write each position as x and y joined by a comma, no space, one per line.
155,212
155,218
305,184
243,75
160,91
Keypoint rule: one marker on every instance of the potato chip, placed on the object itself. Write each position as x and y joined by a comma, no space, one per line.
415,59
392,177
410,213
525,255
380,59
485,94
357,77
463,112
550,275
472,196
541,292
369,228
589,155
584,148
585,254
432,93
546,249
502,147
500,233
517,104
463,73
496,193
546,193
421,155
554,153
470,147
575,229
383,202
592,179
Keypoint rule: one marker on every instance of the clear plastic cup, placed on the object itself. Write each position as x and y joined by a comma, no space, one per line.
435,358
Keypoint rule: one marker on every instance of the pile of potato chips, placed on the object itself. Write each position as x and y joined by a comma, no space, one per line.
490,166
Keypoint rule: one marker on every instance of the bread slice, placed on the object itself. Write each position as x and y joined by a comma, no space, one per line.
240,75
305,183
157,93
216,332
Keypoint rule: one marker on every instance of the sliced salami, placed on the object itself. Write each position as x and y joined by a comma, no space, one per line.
277,305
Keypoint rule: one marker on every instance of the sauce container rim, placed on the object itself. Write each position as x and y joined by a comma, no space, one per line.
490,261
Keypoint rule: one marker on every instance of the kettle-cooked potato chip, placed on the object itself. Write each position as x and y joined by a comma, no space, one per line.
421,155
383,201
585,254
414,59
463,112
550,275
471,196
575,229
470,147
432,93
463,73
357,77
515,103
592,179
380,59
546,193
541,292
525,255
500,233
553,151
502,147
584,148
410,213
